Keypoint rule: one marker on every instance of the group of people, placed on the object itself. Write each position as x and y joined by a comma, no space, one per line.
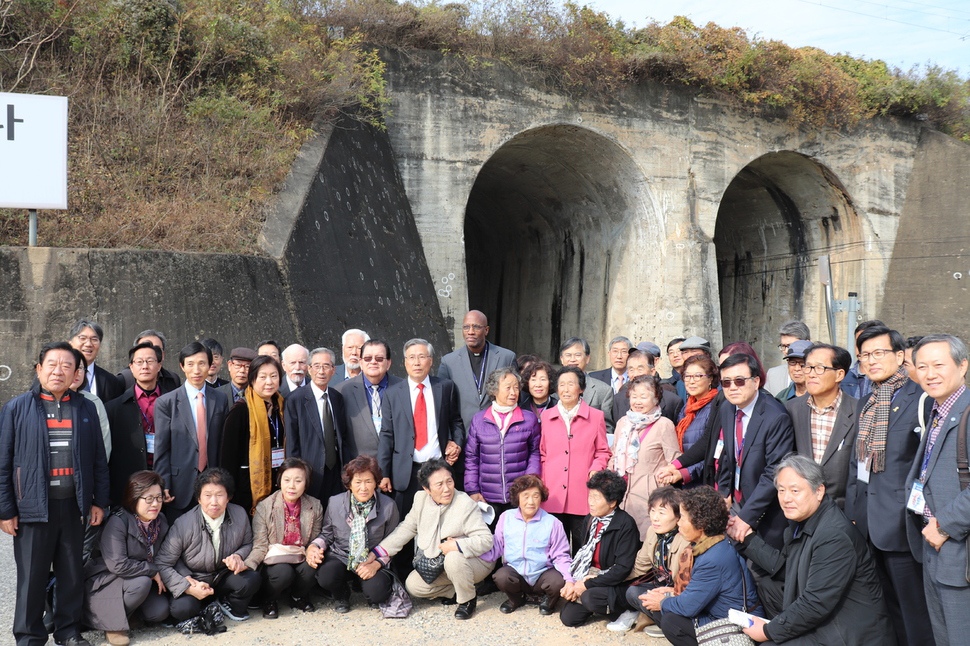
659,504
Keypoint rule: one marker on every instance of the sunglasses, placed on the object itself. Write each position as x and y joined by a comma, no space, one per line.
737,381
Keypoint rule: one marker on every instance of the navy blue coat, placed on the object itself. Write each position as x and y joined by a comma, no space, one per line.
25,457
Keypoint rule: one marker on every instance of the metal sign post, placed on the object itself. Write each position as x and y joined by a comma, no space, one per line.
851,306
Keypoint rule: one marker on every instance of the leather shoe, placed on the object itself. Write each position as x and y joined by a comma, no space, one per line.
509,606
303,604
467,609
342,606
271,611
76,640
547,606
448,601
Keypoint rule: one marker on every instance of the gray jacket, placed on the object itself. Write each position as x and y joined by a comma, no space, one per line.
188,549
335,535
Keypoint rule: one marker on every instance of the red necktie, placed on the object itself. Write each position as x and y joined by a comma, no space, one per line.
420,420
738,449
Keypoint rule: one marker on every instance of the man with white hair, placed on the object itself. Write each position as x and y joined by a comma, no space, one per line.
352,342
294,362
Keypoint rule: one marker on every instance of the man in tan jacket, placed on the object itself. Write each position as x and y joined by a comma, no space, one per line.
443,521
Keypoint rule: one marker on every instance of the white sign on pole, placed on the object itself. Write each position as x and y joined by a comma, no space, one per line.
33,151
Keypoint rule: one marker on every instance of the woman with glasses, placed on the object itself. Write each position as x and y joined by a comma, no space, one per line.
123,578
252,439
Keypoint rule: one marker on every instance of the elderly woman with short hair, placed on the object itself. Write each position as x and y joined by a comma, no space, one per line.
502,444
534,547
605,561
203,557
124,578
711,578
283,526
573,446
538,386
450,537
355,522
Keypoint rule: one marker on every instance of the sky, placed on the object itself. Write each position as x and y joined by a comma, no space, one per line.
903,33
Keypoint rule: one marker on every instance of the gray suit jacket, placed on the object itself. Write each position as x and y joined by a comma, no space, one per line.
838,452
777,379
177,443
395,445
457,367
360,423
600,395
946,500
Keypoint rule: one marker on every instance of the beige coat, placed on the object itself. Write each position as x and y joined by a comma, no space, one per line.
269,521
658,449
430,523
644,562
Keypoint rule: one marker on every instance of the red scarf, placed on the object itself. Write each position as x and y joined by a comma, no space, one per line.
690,412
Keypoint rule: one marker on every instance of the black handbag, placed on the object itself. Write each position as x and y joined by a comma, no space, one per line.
429,568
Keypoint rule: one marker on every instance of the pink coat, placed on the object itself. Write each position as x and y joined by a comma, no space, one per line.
566,462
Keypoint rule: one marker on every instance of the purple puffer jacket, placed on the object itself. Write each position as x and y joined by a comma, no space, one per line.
493,462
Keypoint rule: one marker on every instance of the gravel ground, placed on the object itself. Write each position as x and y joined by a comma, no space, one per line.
429,622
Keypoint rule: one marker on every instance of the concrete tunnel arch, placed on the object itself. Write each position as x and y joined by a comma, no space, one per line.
777,215
544,237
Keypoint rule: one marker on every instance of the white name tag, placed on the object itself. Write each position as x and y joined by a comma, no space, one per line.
150,443
277,457
916,502
719,449
862,471
377,422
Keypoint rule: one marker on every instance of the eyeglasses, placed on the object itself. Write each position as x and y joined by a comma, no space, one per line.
317,367
620,351
144,362
817,369
473,326
784,347
875,354
673,353
83,338
370,358
738,382
696,377
573,355
417,357
151,499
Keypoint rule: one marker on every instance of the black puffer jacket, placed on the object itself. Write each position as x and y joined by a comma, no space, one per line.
188,549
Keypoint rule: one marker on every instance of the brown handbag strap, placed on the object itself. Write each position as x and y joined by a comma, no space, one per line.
963,463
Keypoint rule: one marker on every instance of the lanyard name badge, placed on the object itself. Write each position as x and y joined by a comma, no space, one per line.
480,378
862,469
150,443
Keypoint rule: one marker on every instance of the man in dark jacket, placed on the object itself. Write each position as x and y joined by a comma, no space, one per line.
831,592
53,476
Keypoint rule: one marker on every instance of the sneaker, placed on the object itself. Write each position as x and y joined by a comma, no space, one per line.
227,611
624,622
653,631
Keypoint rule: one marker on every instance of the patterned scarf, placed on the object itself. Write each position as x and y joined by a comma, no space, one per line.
149,532
874,421
357,553
260,453
626,449
694,405
661,554
687,558
584,557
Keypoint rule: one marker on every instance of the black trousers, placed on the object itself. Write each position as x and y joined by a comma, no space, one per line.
37,547
279,578
509,581
577,534
594,601
333,576
235,589
678,630
901,576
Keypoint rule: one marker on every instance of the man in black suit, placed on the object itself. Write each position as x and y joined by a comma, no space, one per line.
188,430
217,358
295,359
825,418
643,363
757,435
363,396
86,337
316,427
616,375
167,380
886,446
131,419
238,367
421,420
